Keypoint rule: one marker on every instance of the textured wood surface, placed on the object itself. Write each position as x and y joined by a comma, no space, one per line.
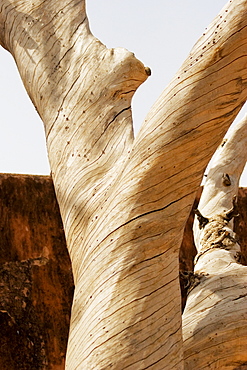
215,315
124,201
36,283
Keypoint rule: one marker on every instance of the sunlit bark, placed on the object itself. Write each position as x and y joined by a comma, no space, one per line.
215,317
124,202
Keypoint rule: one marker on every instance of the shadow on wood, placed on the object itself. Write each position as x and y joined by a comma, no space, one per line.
36,284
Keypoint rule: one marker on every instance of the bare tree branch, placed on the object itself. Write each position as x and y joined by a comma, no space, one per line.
124,202
214,320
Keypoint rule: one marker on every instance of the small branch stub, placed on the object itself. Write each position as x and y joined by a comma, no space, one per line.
148,71
201,219
226,179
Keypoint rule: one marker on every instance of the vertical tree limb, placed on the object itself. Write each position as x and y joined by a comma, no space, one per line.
124,202
215,317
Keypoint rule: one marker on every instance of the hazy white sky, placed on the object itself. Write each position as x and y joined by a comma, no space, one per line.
160,33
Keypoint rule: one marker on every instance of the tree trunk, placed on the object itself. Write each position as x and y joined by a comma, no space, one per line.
124,202
215,317
35,272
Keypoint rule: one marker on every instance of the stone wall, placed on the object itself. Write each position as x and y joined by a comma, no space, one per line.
36,284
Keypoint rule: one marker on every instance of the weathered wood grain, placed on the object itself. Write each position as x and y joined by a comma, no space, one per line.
31,232
215,315
124,201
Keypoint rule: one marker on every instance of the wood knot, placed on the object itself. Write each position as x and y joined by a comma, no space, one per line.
148,71
226,179
189,280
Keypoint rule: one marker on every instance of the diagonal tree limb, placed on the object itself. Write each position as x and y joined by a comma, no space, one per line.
123,202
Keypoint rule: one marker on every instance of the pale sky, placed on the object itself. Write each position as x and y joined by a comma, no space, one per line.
161,33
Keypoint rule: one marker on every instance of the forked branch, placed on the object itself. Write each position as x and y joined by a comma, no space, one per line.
124,202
